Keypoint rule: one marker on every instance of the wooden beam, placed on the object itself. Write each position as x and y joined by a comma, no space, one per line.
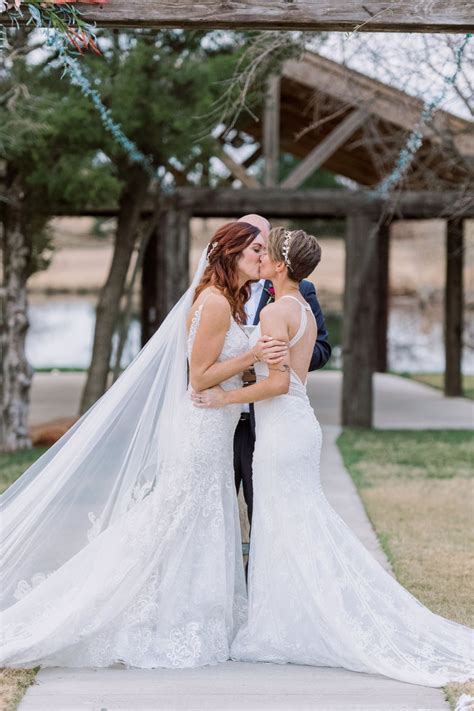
278,203
358,333
271,132
325,149
323,15
255,155
237,170
453,309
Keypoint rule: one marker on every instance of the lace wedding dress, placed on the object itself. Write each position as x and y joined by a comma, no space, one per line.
316,595
163,584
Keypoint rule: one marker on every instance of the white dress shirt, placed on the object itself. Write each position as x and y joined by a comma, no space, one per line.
251,307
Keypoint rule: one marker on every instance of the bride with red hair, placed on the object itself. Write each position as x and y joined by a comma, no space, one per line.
122,543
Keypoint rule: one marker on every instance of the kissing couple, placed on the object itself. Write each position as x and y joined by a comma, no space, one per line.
122,542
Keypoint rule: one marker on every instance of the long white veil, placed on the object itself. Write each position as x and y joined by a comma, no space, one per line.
108,460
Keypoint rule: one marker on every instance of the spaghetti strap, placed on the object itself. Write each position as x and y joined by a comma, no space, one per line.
289,296
198,310
303,322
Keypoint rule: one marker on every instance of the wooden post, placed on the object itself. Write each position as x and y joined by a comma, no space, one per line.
453,308
173,259
165,275
271,131
382,298
149,312
358,337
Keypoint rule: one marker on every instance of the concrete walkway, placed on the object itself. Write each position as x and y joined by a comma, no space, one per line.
259,687
398,402
226,687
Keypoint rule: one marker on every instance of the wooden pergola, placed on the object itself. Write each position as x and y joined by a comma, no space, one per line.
331,117
326,116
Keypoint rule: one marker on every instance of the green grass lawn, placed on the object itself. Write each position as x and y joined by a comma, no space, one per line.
418,491
13,465
436,380
15,682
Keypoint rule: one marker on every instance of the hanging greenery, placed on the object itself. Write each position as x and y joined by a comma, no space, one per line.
73,70
56,15
70,36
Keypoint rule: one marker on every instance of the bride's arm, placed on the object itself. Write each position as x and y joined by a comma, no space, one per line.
205,371
278,381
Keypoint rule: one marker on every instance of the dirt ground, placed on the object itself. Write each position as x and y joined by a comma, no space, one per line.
417,259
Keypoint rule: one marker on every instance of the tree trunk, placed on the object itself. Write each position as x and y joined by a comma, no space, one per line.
130,205
16,373
147,233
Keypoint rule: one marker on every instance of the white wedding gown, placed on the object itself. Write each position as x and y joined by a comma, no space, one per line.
163,585
316,595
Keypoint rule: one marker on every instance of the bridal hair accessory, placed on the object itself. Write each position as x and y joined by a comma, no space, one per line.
210,248
286,248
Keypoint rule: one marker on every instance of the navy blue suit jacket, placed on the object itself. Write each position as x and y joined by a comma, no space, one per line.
322,349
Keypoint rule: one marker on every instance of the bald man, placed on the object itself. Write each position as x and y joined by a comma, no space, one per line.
260,296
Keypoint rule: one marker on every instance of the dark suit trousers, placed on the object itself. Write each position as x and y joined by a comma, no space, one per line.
244,443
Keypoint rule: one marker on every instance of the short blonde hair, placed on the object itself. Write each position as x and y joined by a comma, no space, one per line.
300,251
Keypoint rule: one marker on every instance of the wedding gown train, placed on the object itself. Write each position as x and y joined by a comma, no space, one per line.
162,586
316,595
157,579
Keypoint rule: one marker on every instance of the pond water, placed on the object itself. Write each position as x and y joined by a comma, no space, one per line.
62,328
61,333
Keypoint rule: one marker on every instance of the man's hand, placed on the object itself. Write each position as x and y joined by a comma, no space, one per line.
270,351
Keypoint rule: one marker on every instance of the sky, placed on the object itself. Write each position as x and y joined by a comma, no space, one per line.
415,63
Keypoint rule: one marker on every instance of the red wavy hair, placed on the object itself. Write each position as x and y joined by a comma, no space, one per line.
224,251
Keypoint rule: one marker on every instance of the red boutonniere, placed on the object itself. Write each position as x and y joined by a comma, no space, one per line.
271,294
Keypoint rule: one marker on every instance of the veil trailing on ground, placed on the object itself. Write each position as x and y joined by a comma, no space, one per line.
106,462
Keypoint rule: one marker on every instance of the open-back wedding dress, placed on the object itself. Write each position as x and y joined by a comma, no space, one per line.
316,595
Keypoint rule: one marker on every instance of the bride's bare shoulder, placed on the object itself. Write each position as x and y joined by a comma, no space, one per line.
278,307
215,308
273,319
278,318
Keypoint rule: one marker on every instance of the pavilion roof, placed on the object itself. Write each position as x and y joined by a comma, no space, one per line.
317,95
